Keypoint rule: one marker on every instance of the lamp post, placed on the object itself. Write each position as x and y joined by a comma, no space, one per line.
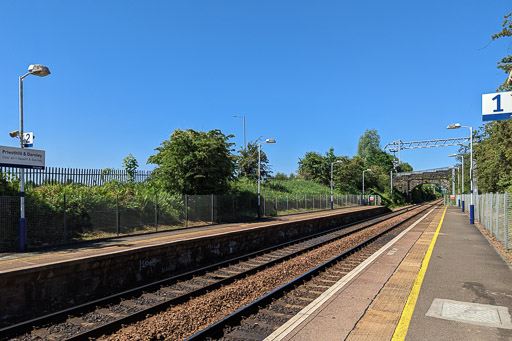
453,180
366,170
242,117
259,176
41,71
462,190
332,183
471,206
458,183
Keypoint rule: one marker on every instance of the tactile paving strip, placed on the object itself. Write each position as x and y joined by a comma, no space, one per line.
381,318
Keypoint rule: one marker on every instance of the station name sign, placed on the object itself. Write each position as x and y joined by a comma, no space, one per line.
21,158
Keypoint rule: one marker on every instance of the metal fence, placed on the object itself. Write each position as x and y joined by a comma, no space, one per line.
88,177
54,220
492,210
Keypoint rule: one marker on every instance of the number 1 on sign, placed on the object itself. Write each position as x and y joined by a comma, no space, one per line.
498,103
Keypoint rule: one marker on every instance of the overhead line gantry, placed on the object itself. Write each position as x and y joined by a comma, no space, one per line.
398,145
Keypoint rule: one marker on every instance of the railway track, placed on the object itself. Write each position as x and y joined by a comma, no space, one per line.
111,314
260,318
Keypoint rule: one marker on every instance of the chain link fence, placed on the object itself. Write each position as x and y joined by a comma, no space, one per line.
9,222
492,210
60,219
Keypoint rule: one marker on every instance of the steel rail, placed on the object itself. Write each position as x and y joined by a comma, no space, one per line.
21,328
115,325
216,330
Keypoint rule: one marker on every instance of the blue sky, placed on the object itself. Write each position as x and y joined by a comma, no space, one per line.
310,74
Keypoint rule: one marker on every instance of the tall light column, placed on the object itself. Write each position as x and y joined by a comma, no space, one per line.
259,176
366,170
453,181
463,190
458,184
243,117
471,206
41,71
332,183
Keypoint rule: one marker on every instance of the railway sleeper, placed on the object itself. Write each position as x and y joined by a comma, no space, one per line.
246,333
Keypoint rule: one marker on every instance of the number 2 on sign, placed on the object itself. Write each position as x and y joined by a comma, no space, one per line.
498,103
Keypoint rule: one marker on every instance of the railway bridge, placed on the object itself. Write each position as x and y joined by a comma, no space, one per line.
407,181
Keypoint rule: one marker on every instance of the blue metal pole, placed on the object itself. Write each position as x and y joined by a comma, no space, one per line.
471,172
259,181
471,210
22,234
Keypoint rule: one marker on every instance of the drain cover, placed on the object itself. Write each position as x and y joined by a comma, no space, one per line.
479,314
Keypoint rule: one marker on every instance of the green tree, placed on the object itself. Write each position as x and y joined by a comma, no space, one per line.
281,176
349,175
492,147
130,164
492,143
404,167
369,150
505,63
313,167
247,162
193,162
369,144
316,167
9,184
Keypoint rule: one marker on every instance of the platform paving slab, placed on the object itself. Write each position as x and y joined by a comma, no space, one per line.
334,314
466,269
382,316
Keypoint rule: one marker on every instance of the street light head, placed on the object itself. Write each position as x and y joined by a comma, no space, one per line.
39,70
270,141
453,126
453,155
368,170
339,161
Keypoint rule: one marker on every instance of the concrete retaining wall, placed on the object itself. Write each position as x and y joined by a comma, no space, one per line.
33,292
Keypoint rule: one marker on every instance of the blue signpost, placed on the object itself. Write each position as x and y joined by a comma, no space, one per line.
496,106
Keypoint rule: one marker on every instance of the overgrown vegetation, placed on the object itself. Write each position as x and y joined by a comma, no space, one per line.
193,162
493,141
273,187
348,172
199,163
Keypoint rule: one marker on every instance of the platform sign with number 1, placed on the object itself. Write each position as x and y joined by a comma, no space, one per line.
496,106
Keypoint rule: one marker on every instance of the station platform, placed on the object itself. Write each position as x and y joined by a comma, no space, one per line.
440,279
45,281
10,262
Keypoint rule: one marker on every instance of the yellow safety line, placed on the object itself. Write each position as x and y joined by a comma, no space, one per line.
405,319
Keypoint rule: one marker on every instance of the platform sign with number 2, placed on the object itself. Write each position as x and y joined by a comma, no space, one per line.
28,140
496,106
